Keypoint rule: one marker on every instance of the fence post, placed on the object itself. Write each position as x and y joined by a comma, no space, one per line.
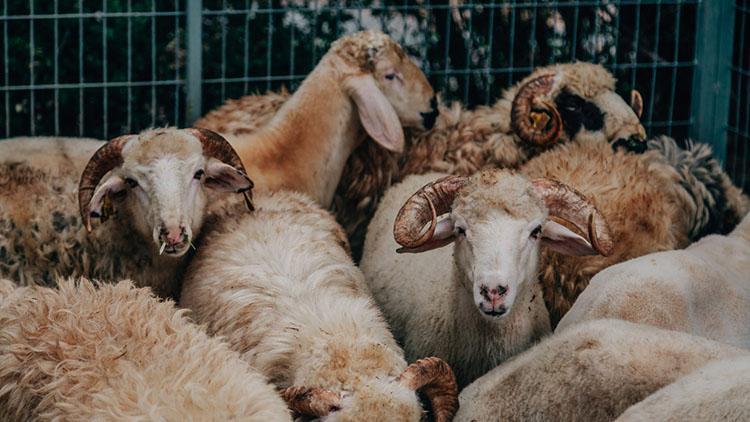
194,82
712,78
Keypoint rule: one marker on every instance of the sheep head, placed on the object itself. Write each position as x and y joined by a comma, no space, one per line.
159,179
387,87
498,220
575,101
391,399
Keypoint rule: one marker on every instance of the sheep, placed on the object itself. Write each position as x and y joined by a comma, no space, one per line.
117,353
715,392
279,286
463,141
496,291
154,186
592,371
702,290
365,84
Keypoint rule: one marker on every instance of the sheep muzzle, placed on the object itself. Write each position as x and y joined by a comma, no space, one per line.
311,401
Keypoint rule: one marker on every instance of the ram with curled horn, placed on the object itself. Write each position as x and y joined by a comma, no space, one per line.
149,191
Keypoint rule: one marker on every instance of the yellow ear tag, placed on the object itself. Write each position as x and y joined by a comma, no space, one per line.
540,120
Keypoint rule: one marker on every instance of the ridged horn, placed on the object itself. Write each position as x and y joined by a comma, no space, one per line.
534,116
214,145
311,401
572,209
424,206
435,377
107,157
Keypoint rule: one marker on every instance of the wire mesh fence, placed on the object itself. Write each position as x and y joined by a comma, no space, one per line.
738,143
105,67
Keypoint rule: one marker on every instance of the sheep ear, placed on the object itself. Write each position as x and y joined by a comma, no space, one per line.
376,113
101,205
225,178
564,240
443,235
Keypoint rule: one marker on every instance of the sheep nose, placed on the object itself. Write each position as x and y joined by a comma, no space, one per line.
428,119
494,294
634,143
172,236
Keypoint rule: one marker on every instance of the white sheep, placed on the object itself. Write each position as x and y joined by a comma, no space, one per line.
702,290
718,391
114,352
364,85
482,300
593,371
279,286
154,186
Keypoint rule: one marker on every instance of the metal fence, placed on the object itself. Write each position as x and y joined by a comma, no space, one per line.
105,67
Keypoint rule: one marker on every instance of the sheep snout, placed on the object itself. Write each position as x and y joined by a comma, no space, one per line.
634,143
173,239
493,300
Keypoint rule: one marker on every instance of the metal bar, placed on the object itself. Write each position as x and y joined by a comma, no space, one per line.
246,48
176,119
469,45
269,45
676,56
653,65
129,70
711,80
88,85
223,21
31,70
105,107
80,70
194,87
738,100
512,44
56,74
488,62
634,55
93,15
5,68
153,64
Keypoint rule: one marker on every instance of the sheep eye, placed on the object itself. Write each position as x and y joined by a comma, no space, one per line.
536,232
390,76
199,174
131,182
461,231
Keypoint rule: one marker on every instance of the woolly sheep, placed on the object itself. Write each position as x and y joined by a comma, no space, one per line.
117,353
365,84
589,372
463,141
279,286
154,186
718,391
478,302
702,290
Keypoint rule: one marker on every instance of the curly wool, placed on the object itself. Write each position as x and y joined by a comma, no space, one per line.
114,352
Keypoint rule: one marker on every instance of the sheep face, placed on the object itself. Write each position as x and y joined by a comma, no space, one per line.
498,220
161,186
497,223
387,87
575,102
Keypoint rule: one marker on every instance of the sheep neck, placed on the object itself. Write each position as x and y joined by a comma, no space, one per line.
306,145
743,229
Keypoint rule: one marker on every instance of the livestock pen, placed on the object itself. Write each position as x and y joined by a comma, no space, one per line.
102,68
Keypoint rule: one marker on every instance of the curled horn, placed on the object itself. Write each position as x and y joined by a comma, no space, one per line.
435,377
107,157
425,206
311,401
214,145
571,208
533,115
